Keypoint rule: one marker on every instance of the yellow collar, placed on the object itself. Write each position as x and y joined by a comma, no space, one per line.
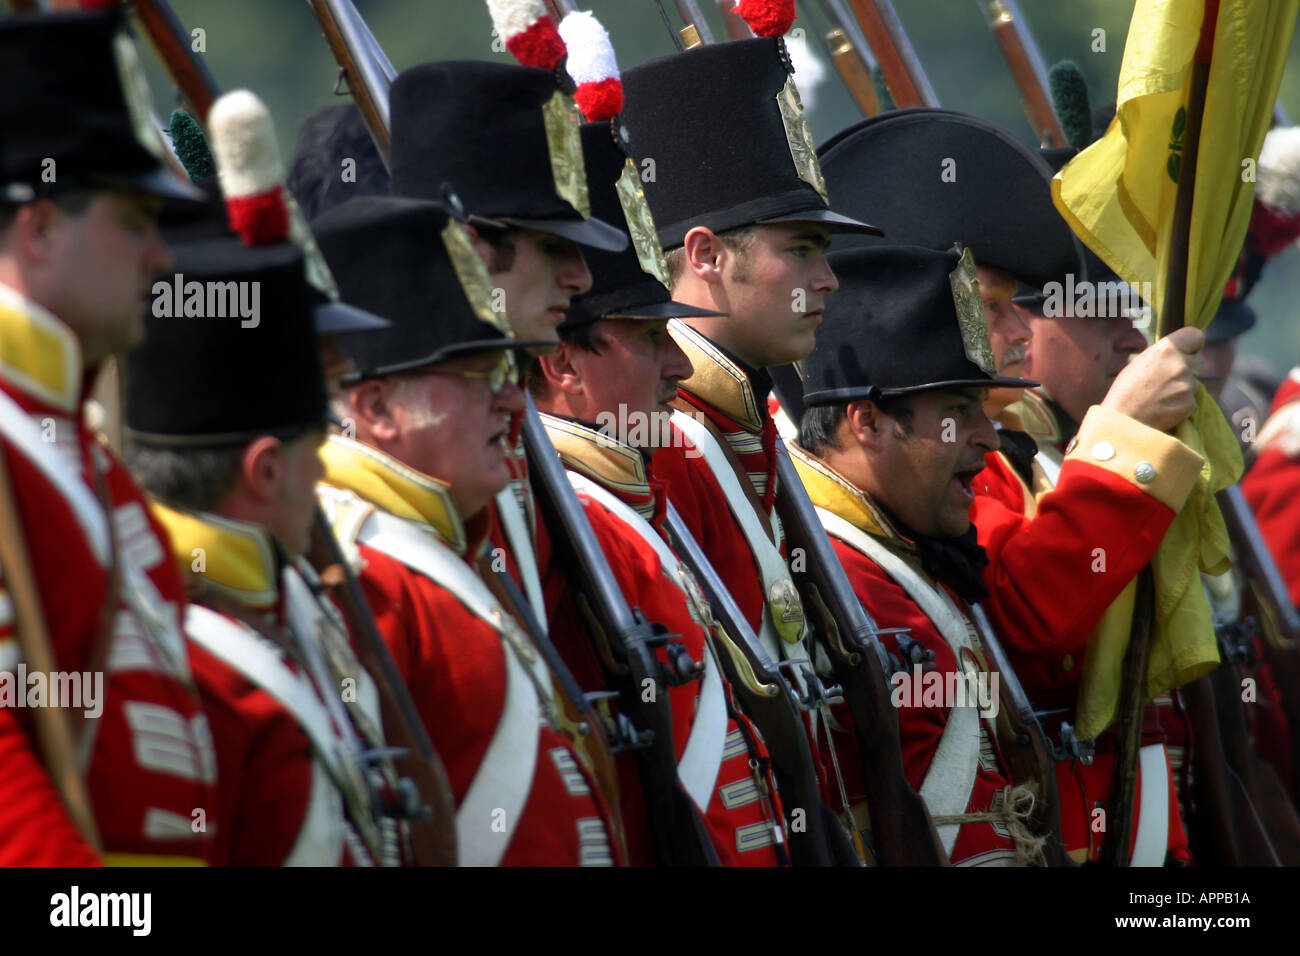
830,490
236,558
599,456
396,488
1031,414
717,379
39,353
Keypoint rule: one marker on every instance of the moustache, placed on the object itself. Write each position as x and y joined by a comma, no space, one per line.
1014,353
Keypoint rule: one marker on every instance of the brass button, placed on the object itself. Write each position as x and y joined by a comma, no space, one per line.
1145,472
1103,451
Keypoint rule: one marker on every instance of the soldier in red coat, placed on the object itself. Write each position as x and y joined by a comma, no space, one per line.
227,413
604,396
429,405
489,129
747,239
1084,527
892,439
79,249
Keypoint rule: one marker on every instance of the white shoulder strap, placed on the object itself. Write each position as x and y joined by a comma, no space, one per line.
771,565
494,803
514,521
950,780
702,758
17,426
320,840
244,651
137,590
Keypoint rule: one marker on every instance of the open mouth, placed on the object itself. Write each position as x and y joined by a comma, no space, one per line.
965,482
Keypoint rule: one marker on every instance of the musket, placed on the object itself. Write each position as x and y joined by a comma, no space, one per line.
1280,620
1028,754
433,833
1027,68
851,56
766,698
363,69
904,75
903,831
174,48
626,642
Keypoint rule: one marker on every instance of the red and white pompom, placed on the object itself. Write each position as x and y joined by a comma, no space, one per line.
592,65
528,31
767,18
1275,222
249,166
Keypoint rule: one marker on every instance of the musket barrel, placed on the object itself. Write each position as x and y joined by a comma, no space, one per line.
1027,68
908,84
691,13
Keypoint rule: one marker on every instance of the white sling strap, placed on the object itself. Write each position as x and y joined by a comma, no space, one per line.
514,521
494,803
771,565
950,780
702,759
1152,839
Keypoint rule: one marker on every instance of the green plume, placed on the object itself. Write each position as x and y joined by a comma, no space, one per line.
882,89
191,146
1070,98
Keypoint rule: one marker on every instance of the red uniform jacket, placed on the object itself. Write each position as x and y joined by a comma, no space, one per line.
152,765
454,664
921,727
278,804
739,815
1082,533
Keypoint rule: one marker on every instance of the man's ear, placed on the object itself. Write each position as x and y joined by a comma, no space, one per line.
263,468
863,421
32,230
559,371
372,405
704,253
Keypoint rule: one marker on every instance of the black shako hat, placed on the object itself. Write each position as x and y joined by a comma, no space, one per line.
230,351
934,177
632,284
75,94
905,319
505,137
724,128
411,262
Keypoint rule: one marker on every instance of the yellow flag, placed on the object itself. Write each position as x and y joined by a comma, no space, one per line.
1118,195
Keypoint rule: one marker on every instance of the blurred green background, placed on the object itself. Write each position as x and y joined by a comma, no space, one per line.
274,47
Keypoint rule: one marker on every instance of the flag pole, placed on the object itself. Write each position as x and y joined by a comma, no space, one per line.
1173,316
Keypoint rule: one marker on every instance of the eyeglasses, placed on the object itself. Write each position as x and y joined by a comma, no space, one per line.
496,377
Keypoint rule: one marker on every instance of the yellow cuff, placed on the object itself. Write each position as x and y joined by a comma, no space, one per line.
1159,464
